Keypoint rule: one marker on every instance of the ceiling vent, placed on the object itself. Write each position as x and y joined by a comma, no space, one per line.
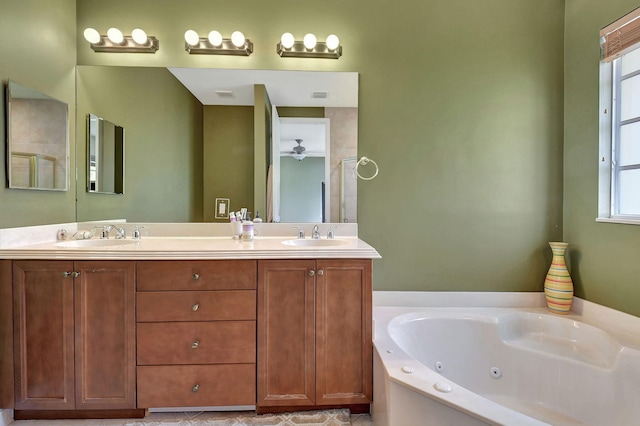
319,95
225,93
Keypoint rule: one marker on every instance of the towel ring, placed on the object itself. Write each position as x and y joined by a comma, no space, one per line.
364,161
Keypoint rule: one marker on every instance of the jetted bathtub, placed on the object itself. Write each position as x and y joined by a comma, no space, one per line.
505,366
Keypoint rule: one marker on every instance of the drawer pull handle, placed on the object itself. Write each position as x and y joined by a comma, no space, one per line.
195,307
312,273
196,276
195,388
195,345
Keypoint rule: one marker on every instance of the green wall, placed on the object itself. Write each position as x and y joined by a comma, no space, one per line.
228,157
465,120
37,50
604,256
163,144
464,105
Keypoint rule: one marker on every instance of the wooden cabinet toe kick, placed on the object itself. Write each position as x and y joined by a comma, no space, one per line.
78,414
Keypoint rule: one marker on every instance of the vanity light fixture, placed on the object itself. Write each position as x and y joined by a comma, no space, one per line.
116,42
214,44
309,47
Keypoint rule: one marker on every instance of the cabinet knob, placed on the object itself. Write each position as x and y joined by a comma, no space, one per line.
195,307
75,274
320,272
196,276
195,345
66,274
195,388
312,273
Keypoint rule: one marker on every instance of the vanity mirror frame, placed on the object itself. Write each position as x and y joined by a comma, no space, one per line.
105,156
44,131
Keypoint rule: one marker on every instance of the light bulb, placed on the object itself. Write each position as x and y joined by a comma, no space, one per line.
192,38
92,35
215,38
309,41
333,42
287,40
115,35
139,36
237,38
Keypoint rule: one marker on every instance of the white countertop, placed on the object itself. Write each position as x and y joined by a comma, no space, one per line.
195,243
194,248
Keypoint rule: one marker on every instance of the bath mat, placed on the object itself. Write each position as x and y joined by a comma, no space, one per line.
303,418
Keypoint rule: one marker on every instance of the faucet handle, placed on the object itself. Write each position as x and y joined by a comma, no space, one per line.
104,233
330,233
300,232
136,232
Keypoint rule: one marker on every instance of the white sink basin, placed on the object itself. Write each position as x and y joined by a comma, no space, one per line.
314,243
94,243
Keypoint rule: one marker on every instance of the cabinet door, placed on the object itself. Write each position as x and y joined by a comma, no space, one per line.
343,332
105,335
286,348
43,335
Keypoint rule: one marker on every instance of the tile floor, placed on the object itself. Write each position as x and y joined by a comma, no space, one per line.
154,419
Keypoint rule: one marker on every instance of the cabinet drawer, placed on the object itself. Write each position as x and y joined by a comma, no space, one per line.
196,305
219,342
196,275
196,385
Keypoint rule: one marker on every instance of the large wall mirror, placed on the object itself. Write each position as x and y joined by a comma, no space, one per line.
190,137
37,140
105,156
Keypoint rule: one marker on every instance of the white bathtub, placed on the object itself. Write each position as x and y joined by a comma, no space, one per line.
505,366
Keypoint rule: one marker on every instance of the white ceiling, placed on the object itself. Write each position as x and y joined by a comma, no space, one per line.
311,131
285,88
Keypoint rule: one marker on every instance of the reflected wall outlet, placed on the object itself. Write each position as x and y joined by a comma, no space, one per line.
222,208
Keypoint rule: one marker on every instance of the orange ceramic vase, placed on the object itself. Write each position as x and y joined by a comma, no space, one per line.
558,287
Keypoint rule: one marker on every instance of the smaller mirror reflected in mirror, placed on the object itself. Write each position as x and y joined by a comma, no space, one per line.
37,140
105,156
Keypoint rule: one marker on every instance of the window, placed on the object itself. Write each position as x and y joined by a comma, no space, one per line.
619,180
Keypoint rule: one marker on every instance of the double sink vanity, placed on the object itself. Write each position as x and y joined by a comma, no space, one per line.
184,318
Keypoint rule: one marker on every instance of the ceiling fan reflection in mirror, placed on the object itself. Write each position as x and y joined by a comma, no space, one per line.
299,152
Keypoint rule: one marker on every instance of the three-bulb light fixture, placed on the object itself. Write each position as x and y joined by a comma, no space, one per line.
309,47
115,41
213,44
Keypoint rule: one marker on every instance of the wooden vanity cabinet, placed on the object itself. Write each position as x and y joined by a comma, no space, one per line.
314,334
196,323
74,335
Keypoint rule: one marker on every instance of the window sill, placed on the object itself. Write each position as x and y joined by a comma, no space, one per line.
625,221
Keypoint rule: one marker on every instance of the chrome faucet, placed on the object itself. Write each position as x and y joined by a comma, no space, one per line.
300,232
315,234
121,234
104,233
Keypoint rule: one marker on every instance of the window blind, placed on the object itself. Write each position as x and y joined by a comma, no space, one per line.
620,36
